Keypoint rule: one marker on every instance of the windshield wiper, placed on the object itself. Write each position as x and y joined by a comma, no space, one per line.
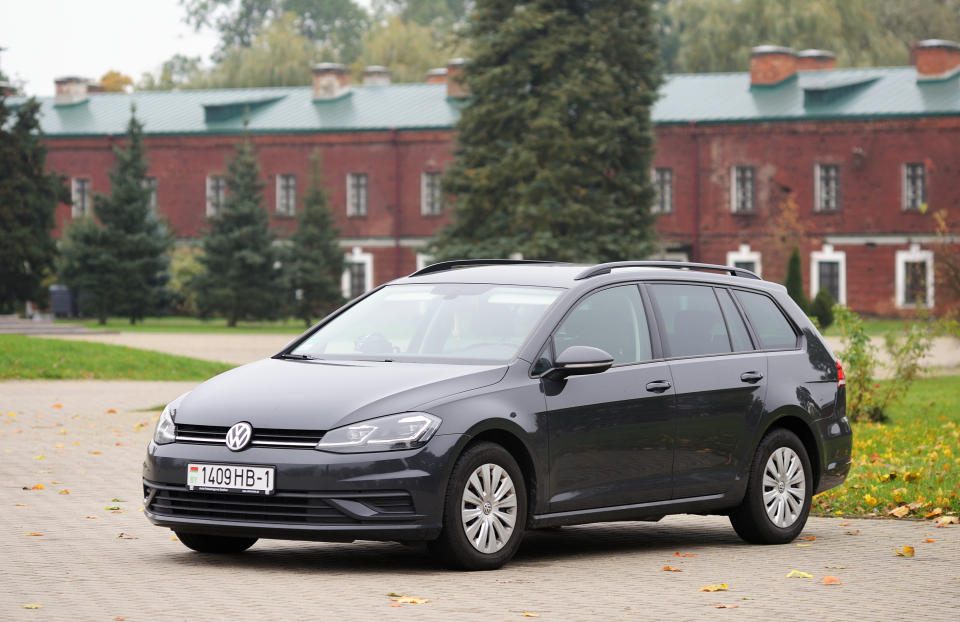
297,357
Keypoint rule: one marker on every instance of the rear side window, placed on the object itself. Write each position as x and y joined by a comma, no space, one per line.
738,330
612,320
772,328
692,320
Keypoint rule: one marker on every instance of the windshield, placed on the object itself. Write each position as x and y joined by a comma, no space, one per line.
447,322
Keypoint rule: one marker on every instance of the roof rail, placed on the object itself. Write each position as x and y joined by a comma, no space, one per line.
466,263
605,268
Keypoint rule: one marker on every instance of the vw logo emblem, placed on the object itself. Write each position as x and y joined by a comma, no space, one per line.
239,436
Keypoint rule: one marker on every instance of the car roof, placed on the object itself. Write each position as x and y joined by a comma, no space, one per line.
565,275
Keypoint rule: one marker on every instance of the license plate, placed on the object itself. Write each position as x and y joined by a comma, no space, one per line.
251,480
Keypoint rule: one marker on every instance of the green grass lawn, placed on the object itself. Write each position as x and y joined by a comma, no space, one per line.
34,358
913,460
192,325
873,327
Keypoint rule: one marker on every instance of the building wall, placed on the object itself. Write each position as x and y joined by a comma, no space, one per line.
870,225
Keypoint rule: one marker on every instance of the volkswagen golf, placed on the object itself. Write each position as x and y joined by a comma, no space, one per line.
474,400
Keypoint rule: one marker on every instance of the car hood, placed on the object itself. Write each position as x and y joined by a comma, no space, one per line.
321,395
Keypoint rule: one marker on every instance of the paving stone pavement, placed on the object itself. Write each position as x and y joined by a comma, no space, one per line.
81,569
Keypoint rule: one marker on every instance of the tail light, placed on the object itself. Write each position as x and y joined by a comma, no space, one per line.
841,379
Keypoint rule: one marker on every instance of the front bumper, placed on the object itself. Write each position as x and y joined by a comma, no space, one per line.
395,495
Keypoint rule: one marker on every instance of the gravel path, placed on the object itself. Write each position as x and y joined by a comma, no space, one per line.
96,563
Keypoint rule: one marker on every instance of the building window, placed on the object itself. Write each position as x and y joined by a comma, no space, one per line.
741,189
828,270
663,184
216,194
286,195
424,260
150,183
914,187
914,278
827,188
357,273
80,197
431,203
356,194
745,258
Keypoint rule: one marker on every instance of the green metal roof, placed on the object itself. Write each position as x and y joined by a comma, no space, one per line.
704,98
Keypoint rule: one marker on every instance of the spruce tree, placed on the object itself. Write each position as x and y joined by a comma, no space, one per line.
555,143
794,282
241,280
120,264
28,200
316,260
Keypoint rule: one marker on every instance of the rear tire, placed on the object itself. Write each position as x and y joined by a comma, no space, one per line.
484,510
225,545
777,502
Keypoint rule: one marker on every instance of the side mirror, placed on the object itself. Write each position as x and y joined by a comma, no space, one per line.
578,361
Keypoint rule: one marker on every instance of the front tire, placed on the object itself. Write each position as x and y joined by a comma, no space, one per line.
485,510
777,502
204,543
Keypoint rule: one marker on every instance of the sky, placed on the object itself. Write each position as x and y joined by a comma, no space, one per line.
46,39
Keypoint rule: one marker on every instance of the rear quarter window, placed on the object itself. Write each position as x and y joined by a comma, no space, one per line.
773,329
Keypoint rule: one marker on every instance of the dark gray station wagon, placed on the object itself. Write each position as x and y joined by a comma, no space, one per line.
474,400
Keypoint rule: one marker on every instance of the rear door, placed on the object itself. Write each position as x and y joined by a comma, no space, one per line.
611,434
720,382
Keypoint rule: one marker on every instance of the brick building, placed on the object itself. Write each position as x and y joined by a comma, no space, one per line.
865,156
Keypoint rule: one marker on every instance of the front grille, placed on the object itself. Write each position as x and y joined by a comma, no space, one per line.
262,437
297,508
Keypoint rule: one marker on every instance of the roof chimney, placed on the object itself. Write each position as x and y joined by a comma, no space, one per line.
813,60
771,64
936,59
330,81
70,90
456,87
376,75
437,75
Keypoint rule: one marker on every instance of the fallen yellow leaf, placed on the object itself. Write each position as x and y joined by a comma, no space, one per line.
809,538
95,453
933,513
111,411
37,487
803,545
852,532
726,606
527,614
943,521
64,492
907,551
411,600
32,606
870,500
40,458
846,523
679,554
33,533
671,569
829,580
718,587
57,406
796,574
899,512
912,476
929,540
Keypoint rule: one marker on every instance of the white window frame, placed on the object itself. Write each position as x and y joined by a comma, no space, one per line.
817,188
151,184
743,253
904,182
75,210
914,254
285,206
662,204
357,256
424,260
828,254
212,203
428,208
364,205
734,195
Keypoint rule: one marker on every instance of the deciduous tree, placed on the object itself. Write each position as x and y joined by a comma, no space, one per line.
555,143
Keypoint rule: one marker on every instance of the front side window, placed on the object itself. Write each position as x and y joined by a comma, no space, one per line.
692,321
773,329
431,203
286,195
80,197
742,189
216,194
663,184
828,187
914,186
612,320
357,194
446,322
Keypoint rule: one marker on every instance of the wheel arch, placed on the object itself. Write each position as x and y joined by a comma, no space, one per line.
519,451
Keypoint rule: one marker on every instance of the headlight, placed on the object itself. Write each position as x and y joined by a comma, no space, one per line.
402,431
166,431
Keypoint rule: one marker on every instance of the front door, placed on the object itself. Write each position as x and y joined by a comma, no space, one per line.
611,434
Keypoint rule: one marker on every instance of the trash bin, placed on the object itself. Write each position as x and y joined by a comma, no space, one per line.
62,301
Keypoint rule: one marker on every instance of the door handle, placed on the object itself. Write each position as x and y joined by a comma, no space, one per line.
658,386
751,376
